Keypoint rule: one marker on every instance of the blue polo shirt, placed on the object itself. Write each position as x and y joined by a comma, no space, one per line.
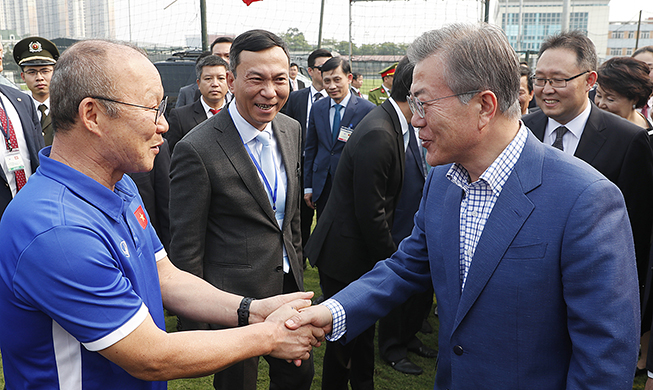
77,274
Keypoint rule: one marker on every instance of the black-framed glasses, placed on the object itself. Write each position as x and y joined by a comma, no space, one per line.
417,106
555,83
159,110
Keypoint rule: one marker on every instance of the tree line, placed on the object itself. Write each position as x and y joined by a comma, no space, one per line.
297,42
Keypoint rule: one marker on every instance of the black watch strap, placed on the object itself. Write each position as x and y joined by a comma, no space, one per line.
243,311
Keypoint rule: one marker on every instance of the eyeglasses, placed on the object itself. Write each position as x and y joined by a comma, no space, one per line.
159,110
43,72
417,106
554,83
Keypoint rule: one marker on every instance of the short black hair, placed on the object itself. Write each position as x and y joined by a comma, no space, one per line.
402,81
645,49
221,40
210,60
254,40
294,64
202,55
526,71
356,75
334,63
319,53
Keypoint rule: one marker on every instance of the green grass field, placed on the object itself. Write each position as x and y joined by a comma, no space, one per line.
385,378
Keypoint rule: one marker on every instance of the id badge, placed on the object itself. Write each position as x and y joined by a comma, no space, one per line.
14,161
345,133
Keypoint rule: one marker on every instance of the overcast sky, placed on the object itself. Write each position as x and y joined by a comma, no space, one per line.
372,21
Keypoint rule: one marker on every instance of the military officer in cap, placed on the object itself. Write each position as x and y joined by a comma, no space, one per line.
36,56
381,94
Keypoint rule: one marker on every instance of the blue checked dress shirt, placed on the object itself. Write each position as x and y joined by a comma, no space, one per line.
475,209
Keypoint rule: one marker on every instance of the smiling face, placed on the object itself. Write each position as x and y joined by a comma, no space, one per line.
132,139
336,83
447,130
260,86
562,104
613,102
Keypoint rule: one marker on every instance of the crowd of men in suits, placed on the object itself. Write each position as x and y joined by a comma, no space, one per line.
533,229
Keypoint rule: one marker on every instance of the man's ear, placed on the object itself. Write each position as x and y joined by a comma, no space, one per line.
489,105
230,81
90,113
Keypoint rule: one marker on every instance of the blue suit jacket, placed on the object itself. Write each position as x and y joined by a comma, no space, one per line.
321,153
32,132
551,296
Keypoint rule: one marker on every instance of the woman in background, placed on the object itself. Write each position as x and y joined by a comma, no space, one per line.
623,86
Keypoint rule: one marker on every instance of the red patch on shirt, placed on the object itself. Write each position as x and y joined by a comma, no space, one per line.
140,216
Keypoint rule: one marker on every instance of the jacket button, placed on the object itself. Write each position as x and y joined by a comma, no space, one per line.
458,350
279,268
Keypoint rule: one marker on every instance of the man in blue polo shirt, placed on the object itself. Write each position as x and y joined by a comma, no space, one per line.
82,272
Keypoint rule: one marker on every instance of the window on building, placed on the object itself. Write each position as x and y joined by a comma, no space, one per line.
644,34
629,51
617,35
615,51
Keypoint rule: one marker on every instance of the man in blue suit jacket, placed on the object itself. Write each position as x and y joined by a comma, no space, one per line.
22,114
529,250
325,138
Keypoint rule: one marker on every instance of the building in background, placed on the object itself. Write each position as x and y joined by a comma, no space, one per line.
623,39
58,18
528,22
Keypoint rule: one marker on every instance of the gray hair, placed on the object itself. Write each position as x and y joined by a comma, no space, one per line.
82,71
577,42
476,57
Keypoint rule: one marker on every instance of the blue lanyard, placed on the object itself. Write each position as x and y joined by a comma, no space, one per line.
265,179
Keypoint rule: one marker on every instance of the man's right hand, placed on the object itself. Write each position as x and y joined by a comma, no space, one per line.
318,316
308,198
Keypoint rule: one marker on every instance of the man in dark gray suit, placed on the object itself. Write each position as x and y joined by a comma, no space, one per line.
235,192
211,74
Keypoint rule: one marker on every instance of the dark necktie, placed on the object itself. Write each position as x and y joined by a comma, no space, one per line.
336,122
560,132
12,143
45,125
317,97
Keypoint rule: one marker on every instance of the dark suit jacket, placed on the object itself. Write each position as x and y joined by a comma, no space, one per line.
619,150
353,233
553,278
297,107
223,226
154,188
188,94
321,153
300,85
31,130
182,120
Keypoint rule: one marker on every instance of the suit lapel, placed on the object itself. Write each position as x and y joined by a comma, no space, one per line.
229,140
290,163
199,115
592,139
510,212
537,124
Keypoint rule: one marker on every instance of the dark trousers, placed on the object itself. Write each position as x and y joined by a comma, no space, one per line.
306,215
283,375
352,362
320,204
397,330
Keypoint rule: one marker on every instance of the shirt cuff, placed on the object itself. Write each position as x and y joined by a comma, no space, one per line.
308,191
339,327
650,374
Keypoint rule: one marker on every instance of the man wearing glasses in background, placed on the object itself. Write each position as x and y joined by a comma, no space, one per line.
83,276
36,56
569,121
528,249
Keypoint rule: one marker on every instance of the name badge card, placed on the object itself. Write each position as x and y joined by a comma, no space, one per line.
345,133
14,161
